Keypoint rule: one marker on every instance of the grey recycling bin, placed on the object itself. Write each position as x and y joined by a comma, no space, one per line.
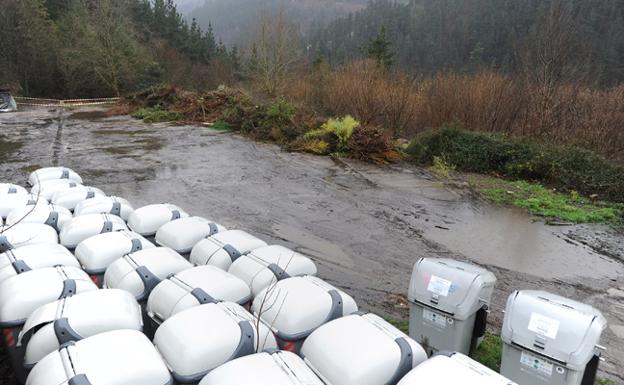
449,303
548,339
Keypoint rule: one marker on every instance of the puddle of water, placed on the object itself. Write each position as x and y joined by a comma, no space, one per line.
510,240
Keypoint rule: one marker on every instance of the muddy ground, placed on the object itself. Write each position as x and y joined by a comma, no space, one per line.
364,225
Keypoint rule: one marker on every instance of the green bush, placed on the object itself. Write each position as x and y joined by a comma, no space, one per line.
570,169
265,121
340,129
156,115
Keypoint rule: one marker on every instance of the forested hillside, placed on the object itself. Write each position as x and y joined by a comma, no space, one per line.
233,19
469,35
87,48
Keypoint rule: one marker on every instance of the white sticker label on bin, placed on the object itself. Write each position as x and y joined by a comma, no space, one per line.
544,326
435,318
538,364
439,286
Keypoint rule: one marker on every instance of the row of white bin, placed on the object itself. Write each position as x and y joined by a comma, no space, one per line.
58,324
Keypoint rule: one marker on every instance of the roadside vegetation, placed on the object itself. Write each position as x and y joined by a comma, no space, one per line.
556,207
563,184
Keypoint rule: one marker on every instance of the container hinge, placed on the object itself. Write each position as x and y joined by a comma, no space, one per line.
336,307
69,288
80,379
20,267
405,363
175,214
232,251
12,190
90,194
64,332
52,220
149,280
278,271
213,229
202,296
136,245
5,245
116,209
246,344
65,174
107,227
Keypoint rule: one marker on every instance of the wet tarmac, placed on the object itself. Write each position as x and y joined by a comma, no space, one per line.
364,225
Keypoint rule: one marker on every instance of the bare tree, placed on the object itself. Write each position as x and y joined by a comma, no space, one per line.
275,50
550,60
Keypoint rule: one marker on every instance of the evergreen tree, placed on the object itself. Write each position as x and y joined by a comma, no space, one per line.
380,49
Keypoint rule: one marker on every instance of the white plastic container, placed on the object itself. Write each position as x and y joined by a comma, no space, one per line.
52,173
96,253
32,257
268,368
24,293
47,214
75,318
193,287
105,205
147,220
202,338
48,188
23,234
223,248
140,272
120,357
69,198
453,368
10,188
449,304
549,339
361,349
10,202
295,307
270,264
80,228
184,233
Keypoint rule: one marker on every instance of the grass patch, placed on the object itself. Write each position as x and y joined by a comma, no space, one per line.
541,201
156,115
402,325
566,168
220,125
490,351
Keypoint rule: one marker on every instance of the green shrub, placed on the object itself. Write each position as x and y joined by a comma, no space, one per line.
220,125
156,115
272,121
341,129
566,168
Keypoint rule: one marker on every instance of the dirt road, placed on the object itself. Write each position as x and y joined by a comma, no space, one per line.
365,226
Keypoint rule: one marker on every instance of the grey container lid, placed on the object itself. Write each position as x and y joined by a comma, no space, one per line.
567,331
457,288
